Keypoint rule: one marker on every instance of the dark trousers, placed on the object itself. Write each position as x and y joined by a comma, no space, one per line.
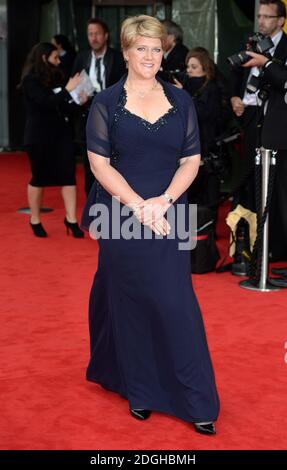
246,196
205,191
251,140
278,211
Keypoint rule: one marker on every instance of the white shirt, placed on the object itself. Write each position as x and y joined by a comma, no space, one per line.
93,72
251,99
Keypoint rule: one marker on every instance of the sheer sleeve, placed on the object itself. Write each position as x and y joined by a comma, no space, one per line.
97,130
191,144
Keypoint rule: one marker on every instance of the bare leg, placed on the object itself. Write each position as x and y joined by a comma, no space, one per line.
69,194
35,195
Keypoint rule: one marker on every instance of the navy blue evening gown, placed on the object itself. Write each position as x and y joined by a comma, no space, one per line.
147,336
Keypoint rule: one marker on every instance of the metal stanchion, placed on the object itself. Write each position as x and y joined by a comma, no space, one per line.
266,159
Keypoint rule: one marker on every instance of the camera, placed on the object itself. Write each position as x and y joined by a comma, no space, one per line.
254,84
256,43
169,75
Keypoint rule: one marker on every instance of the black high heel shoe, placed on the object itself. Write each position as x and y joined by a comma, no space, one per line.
39,230
140,414
208,428
75,229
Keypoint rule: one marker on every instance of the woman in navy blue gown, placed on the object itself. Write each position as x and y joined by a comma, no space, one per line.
147,336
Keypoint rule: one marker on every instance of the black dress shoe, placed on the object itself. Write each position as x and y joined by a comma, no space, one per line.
140,414
39,230
280,271
208,428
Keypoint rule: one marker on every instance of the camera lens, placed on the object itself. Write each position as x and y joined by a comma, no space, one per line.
237,60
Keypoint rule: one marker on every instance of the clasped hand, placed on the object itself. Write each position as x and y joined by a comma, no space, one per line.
151,212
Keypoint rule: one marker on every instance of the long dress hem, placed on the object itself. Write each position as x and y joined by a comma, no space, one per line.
151,407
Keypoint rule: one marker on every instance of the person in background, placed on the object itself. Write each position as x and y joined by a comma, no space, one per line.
200,82
224,86
48,135
247,106
105,66
274,137
67,54
175,54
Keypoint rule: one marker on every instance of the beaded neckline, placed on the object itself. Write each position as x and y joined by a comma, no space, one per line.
149,125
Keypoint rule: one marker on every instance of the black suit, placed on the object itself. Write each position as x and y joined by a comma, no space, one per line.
249,120
176,58
115,68
174,61
113,62
45,111
274,137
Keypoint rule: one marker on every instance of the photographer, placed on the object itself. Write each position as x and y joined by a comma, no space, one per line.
274,137
247,106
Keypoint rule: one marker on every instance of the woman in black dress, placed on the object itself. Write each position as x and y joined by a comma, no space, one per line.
48,135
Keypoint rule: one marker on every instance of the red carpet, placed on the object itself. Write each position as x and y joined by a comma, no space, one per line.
46,402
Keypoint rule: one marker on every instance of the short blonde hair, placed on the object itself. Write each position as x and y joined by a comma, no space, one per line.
142,25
